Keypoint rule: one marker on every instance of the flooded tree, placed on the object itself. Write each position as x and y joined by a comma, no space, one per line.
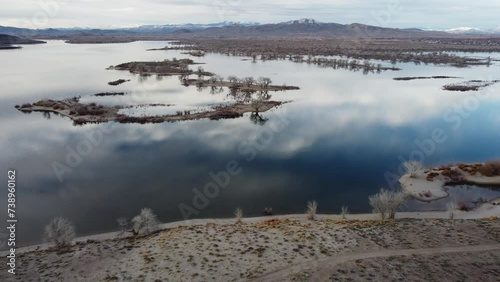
258,119
200,72
233,80
264,82
249,81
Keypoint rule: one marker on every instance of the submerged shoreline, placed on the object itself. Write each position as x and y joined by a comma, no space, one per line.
429,185
487,210
91,113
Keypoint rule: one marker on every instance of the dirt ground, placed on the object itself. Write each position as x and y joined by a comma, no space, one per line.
475,266
292,248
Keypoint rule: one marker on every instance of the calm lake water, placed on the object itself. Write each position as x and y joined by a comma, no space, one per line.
334,143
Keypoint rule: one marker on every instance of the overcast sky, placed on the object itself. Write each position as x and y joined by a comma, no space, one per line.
116,13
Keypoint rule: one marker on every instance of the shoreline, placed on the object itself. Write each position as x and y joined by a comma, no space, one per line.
481,212
91,113
429,185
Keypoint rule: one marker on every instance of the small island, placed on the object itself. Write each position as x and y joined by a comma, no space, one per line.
472,85
428,185
242,90
105,94
118,82
406,78
241,84
161,68
92,113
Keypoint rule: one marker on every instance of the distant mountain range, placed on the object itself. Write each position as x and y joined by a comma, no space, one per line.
140,30
473,30
295,28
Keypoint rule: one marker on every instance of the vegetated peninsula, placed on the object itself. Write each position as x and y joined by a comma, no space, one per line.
242,90
118,82
92,113
428,184
407,78
472,85
10,42
161,68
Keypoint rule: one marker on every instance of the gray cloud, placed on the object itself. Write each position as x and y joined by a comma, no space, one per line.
394,13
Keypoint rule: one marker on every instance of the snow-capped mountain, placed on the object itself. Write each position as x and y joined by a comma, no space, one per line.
143,29
303,21
473,30
191,26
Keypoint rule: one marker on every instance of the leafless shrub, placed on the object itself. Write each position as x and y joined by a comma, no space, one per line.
238,214
312,208
490,169
413,167
344,212
451,208
426,194
268,211
456,175
387,202
145,223
60,231
124,224
463,206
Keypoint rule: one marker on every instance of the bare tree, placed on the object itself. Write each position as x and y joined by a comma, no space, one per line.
264,81
413,167
249,81
183,78
233,80
124,224
218,78
452,207
377,203
256,105
60,231
238,214
312,208
396,199
145,223
344,212
386,202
